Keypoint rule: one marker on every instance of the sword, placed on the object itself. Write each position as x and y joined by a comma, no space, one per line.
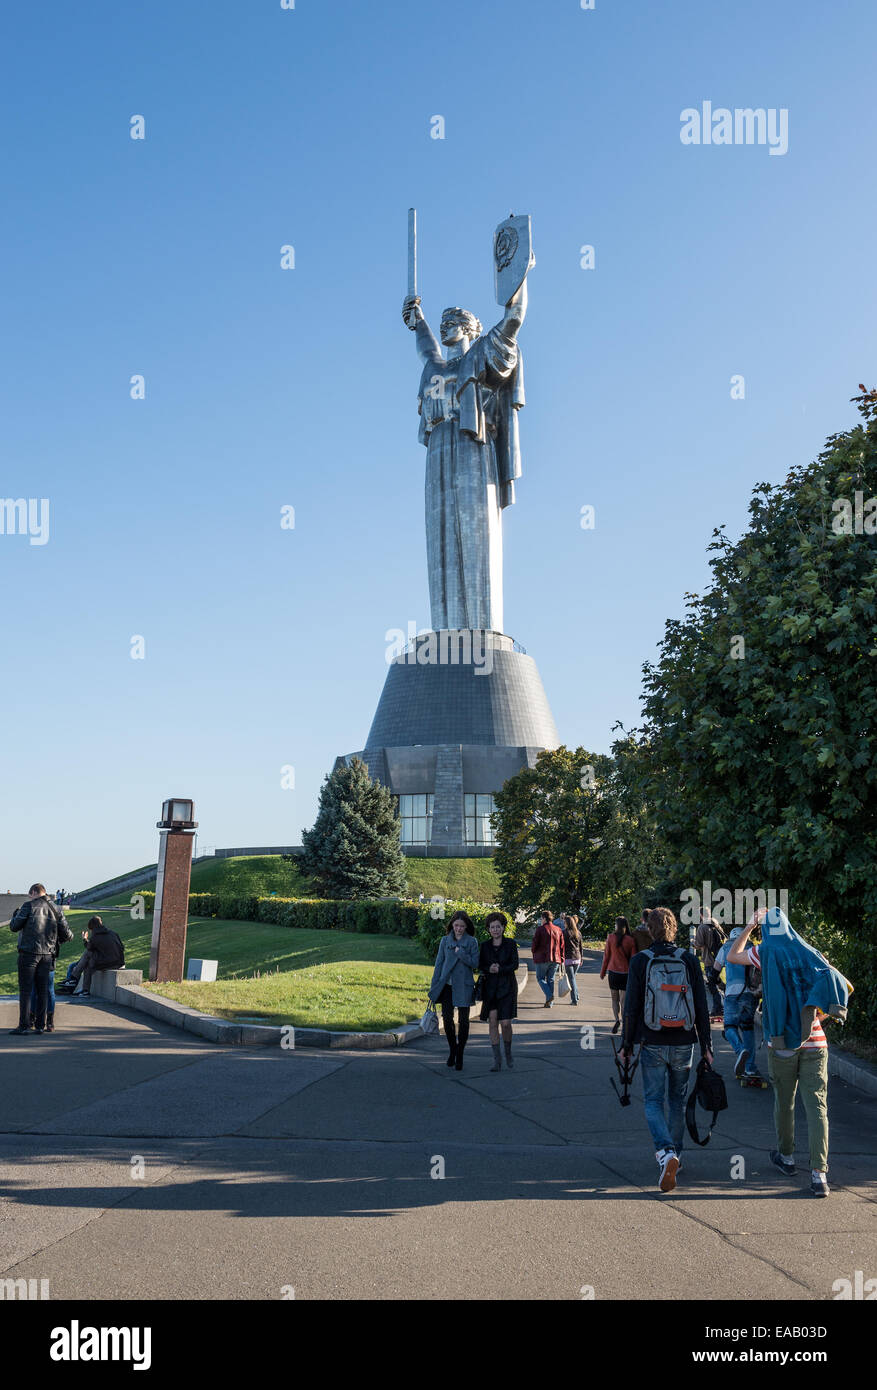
412,259
412,251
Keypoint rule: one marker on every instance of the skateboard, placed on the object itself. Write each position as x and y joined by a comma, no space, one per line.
758,1082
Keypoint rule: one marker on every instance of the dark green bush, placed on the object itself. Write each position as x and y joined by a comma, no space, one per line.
432,928
386,916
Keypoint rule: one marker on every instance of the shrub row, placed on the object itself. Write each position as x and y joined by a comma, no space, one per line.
432,928
426,921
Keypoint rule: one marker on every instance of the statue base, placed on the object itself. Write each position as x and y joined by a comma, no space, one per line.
460,713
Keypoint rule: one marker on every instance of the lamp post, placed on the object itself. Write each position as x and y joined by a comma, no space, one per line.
167,956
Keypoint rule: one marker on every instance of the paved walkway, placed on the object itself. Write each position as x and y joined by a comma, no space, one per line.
268,1169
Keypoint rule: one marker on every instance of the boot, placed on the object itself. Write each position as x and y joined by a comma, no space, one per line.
50,1023
462,1038
451,1035
508,1054
497,1058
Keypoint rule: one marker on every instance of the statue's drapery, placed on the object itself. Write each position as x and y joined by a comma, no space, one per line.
468,422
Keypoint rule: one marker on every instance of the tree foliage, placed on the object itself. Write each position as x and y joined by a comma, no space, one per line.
758,752
572,834
353,849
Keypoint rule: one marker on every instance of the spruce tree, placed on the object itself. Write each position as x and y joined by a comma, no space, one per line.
353,849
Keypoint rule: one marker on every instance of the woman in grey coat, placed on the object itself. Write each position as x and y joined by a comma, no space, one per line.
453,983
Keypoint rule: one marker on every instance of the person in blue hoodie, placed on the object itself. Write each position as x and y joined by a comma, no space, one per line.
799,989
740,1003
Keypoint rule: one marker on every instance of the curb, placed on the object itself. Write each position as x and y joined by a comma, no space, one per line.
853,1070
124,987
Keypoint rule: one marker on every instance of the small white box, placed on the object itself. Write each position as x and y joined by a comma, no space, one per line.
202,970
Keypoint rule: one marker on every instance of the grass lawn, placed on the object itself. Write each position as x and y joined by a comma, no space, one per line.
263,874
328,979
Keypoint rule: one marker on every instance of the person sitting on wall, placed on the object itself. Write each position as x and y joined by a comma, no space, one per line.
103,951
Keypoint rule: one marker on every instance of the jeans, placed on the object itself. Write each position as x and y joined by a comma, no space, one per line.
740,1038
50,1008
666,1069
74,969
808,1068
571,971
545,978
33,974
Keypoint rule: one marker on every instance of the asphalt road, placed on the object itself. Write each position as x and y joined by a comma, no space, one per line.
141,1162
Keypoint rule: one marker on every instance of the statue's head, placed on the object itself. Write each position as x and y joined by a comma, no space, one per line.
459,323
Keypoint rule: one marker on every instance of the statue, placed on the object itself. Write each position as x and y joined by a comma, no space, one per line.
468,404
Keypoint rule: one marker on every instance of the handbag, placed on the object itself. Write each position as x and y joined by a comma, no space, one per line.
563,985
429,1023
479,990
709,1091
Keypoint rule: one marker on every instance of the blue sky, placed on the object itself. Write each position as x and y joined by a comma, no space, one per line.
264,387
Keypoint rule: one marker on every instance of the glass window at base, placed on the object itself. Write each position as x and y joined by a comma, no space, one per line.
478,807
415,813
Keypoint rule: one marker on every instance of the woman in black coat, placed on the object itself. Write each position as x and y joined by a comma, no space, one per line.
498,963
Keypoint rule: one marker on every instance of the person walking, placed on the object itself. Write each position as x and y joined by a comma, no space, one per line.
799,989
41,926
498,964
453,983
618,952
641,934
547,952
740,1005
708,940
665,1009
572,955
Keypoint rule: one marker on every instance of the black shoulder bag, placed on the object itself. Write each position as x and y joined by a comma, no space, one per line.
709,1091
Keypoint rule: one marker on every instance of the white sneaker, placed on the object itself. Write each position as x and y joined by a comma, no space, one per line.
669,1168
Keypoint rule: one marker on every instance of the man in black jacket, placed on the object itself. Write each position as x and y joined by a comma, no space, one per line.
42,927
674,996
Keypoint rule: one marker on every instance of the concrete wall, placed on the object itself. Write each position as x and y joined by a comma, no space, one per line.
9,903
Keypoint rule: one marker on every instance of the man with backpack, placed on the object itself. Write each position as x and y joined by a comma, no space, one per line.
709,940
665,1009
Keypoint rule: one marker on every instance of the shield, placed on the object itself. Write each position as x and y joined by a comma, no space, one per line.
512,256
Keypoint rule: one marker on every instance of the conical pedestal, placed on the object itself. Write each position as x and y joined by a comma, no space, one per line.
459,714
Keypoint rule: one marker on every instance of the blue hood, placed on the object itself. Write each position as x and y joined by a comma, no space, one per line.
794,977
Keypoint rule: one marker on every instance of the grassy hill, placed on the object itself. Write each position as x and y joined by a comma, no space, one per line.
263,874
331,979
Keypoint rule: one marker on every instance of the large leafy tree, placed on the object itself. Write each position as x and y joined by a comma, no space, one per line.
572,834
760,737
353,850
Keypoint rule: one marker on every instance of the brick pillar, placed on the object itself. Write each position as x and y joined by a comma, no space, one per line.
447,806
167,956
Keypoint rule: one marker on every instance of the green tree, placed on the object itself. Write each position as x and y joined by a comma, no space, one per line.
571,833
757,752
353,850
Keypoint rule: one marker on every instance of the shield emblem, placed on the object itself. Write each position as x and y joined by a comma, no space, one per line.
512,256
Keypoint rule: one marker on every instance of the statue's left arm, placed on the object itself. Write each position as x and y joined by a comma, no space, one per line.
515,312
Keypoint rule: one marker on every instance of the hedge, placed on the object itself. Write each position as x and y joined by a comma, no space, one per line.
427,921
